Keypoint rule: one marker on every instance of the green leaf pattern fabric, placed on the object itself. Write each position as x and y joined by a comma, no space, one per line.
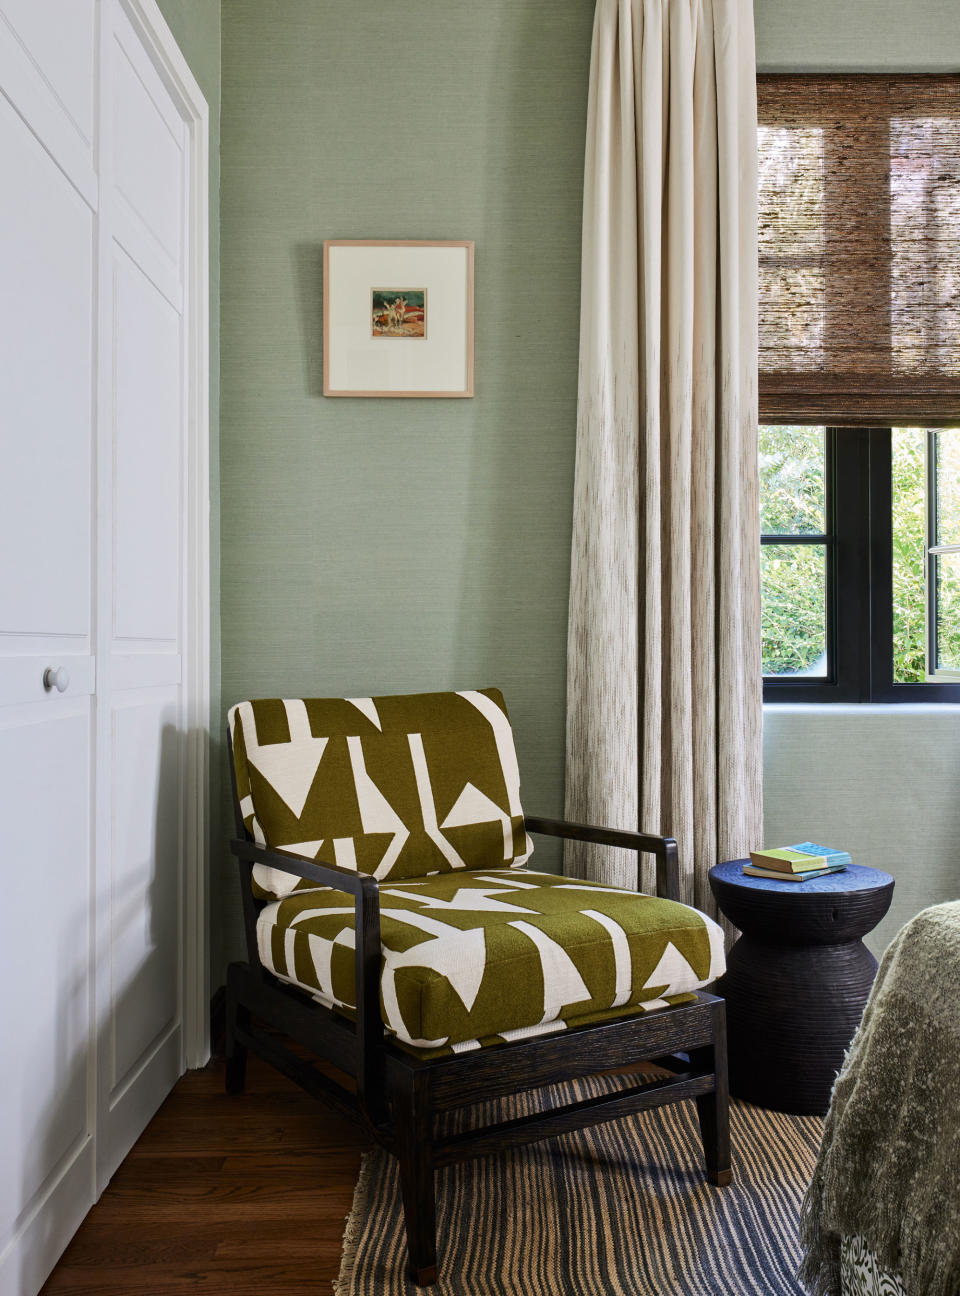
397,787
473,958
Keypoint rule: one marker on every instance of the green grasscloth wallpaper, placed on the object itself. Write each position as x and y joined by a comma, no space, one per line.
857,36
373,546
390,545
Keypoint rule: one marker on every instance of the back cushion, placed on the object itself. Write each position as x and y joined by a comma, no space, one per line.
396,787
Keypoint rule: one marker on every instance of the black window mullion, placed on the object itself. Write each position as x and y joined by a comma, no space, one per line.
850,515
881,566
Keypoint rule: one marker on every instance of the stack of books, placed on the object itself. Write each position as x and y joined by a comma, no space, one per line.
797,863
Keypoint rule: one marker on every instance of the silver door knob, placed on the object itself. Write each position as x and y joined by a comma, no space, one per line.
56,677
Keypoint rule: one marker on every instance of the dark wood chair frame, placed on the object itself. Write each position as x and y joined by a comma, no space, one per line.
397,1094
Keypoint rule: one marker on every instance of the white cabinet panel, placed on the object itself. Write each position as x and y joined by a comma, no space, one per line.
58,38
144,878
24,678
46,313
99,760
148,151
144,669
147,435
45,939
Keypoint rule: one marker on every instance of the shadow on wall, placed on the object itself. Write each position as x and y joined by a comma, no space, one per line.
138,965
308,278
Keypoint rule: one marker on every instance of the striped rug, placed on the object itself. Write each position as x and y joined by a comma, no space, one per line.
622,1208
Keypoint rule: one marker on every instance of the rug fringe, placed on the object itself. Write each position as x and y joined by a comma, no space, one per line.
343,1284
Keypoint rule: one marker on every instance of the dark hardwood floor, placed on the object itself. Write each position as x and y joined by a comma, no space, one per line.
222,1195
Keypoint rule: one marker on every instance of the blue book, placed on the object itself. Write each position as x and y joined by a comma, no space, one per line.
801,858
829,853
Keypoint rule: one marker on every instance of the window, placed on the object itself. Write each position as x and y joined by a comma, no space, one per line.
860,387
860,563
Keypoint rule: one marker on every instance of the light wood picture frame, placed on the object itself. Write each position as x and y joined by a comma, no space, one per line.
398,317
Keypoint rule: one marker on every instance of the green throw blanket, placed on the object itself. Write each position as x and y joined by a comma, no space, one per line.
889,1164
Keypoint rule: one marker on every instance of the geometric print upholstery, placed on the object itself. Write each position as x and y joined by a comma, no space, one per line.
397,787
474,958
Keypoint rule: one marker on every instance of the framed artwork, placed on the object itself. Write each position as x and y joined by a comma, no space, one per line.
397,318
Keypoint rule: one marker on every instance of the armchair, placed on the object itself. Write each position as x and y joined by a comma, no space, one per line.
395,932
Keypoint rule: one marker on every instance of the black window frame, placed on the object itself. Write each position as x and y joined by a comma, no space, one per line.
859,579
936,548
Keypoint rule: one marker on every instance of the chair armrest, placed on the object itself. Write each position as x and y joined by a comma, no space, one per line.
664,848
366,893
324,874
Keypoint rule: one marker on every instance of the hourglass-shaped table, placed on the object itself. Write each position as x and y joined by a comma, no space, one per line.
796,980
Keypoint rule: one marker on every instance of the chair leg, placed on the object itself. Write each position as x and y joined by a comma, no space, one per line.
414,1129
713,1109
236,1053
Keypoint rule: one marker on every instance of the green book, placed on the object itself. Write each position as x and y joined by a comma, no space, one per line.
798,859
783,876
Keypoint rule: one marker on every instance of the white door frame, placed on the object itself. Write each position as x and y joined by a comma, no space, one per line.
170,63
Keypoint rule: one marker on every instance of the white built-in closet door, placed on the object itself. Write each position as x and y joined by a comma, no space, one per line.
140,726
92,249
48,234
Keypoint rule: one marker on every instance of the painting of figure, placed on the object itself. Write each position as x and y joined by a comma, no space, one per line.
399,312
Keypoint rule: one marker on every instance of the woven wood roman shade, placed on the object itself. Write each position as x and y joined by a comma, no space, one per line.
859,238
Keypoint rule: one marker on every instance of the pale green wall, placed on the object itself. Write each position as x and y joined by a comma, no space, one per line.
857,35
195,25
882,781
392,545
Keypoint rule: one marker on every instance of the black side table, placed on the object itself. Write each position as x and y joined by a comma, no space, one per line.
796,980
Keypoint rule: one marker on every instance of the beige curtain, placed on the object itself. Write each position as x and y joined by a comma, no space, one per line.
664,672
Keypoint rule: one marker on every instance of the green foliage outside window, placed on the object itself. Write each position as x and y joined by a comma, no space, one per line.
909,548
908,479
948,533
793,502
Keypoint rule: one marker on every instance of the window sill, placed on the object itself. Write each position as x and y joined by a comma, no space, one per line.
862,708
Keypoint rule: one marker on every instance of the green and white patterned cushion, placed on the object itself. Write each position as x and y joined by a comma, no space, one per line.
396,787
472,958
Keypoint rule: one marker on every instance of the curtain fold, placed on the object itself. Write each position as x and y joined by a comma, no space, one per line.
664,682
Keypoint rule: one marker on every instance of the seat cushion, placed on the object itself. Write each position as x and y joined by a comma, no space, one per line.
397,787
473,958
